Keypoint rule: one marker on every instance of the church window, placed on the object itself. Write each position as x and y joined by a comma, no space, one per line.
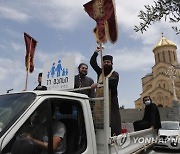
169,53
174,55
163,56
164,85
158,58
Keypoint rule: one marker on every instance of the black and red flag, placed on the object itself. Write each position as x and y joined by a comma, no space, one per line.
103,12
30,52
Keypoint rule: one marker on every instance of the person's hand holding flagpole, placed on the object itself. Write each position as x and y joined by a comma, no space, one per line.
103,12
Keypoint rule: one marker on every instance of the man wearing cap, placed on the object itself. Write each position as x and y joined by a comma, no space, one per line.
40,87
113,77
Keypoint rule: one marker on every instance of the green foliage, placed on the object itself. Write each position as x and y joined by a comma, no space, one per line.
169,10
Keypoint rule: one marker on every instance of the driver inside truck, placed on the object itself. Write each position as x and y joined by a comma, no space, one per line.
40,133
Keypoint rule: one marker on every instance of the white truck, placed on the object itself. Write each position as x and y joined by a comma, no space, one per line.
73,109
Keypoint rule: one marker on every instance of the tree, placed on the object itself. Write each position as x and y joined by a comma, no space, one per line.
167,9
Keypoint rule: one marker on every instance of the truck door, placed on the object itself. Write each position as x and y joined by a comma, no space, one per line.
67,111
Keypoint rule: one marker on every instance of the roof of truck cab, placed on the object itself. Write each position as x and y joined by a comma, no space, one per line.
52,92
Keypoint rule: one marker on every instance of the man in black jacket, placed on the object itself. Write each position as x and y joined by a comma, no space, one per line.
151,118
82,80
113,78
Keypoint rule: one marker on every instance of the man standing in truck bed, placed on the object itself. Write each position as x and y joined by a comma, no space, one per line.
113,77
82,80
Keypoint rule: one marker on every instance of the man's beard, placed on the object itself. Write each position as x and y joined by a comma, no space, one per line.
107,69
82,75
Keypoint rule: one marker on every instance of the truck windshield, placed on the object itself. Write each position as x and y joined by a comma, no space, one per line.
12,106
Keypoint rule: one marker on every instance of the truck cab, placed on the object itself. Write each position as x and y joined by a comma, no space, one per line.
18,116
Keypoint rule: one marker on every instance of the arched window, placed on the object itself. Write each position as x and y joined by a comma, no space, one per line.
163,56
169,53
158,58
174,55
164,85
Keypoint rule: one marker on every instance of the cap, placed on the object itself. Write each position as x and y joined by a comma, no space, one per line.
108,57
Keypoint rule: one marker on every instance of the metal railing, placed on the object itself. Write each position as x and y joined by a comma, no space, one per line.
97,106
100,113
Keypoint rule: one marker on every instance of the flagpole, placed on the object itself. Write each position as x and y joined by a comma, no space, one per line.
101,54
26,80
28,66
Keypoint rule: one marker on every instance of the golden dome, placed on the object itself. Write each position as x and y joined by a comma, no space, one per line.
164,42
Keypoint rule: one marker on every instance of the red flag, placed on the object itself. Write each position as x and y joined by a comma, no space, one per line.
30,51
103,12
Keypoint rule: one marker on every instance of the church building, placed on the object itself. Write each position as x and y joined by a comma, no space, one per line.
163,83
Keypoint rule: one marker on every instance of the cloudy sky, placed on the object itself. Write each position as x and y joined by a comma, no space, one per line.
62,28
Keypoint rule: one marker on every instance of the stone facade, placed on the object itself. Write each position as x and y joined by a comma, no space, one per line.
166,114
157,84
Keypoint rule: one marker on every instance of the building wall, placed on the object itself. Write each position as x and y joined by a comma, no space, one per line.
131,115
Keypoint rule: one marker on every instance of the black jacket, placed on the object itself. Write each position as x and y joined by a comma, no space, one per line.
151,114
